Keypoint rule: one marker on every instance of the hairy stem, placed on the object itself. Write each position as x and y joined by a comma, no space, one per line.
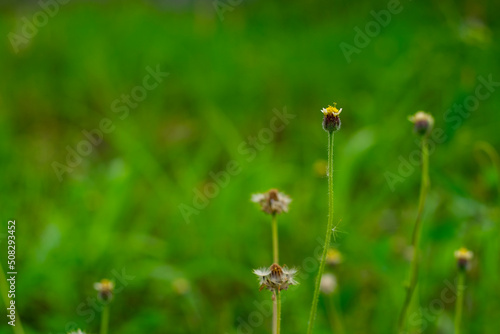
278,318
275,239
105,319
413,278
314,306
275,314
460,301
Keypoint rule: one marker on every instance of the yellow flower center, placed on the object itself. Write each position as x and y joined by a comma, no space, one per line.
463,253
332,110
106,285
333,255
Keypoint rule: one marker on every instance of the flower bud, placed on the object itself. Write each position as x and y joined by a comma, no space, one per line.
328,283
423,123
104,289
333,257
331,119
463,256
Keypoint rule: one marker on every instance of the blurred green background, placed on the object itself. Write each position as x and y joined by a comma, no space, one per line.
119,208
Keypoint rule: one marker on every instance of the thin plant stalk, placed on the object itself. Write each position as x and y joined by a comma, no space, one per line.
314,306
4,289
278,318
413,278
460,301
276,302
105,319
275,239
275,314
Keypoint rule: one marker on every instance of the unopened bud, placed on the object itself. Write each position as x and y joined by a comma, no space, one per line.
104,289
423,123
331,119
463,256
328,283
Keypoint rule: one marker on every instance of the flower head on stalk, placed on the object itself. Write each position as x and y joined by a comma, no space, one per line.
328,283
276,278
104,289
272,202
463,256
331,119
333,257
423,123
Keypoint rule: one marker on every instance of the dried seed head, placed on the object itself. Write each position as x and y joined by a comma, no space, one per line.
275,278
328,283
463,256
331,119
276,272
262,273
333,257
272,202
423,122
104,289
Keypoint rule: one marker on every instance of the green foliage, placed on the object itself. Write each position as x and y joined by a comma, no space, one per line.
119,208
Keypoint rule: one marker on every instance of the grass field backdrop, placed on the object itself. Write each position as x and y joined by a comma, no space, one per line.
118,209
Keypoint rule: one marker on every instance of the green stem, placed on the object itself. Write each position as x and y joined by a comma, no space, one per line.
424,186
4,289
274,224
275,239
105,319
314,306
278,318
335,316
275,314
460,300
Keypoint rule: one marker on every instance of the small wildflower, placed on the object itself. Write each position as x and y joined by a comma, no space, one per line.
423,122
104,289
463,256
333,257
331,121
79,331
328,283
275,277
272,202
